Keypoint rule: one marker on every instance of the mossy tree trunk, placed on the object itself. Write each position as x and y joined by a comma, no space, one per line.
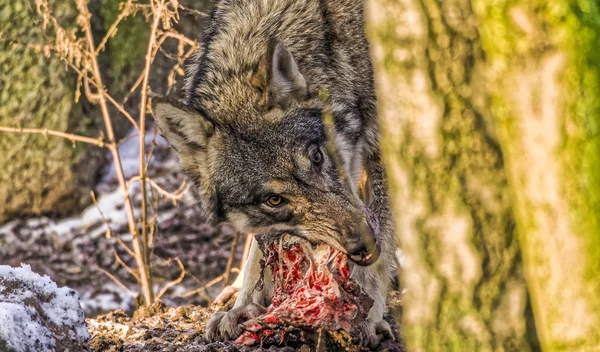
50,175
490,113
38,174
462,267
544,77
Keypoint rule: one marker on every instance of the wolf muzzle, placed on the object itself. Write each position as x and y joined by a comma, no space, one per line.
365,249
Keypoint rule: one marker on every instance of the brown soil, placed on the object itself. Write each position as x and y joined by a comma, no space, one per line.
162,328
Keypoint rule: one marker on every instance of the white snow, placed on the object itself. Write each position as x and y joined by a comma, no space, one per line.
21,325
65,228
21,330
112,206
112,297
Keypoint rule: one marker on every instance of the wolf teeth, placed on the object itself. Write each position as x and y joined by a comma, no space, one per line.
361,258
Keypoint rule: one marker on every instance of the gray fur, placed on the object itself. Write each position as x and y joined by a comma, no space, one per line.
253,121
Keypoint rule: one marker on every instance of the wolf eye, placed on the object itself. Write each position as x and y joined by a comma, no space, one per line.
275,201
317,157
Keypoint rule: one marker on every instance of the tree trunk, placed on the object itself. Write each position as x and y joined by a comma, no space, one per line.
544,79
50,175
38,174
461,264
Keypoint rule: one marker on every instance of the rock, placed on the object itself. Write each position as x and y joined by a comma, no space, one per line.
37,315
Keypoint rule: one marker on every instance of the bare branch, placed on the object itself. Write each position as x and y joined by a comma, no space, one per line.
174,282
174,196
158,9
143,264
44,131
122,263
187,9
126,11
234,244
121,109
182,38
209,284
118,282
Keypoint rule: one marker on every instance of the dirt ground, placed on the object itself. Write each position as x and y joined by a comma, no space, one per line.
162,328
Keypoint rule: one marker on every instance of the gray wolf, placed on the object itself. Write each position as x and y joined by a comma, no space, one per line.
251,138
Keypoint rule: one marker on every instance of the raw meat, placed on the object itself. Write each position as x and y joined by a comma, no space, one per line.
313,291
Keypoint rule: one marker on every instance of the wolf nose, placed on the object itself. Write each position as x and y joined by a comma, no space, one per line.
364,251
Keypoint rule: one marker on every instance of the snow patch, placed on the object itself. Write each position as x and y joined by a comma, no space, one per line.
37,315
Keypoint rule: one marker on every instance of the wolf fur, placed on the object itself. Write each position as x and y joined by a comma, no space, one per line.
251,129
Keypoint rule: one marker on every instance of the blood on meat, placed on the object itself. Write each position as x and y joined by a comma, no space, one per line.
312,290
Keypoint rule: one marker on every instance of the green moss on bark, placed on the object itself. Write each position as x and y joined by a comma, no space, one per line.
454,220
547,52
126,50
38,174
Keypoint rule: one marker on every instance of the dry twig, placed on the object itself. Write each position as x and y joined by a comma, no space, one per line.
174,282
44,131
118,282
234,244
212,282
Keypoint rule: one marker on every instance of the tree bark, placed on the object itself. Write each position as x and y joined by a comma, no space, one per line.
38,174
461,263
544,79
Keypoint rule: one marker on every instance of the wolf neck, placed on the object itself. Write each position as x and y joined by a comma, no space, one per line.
238,37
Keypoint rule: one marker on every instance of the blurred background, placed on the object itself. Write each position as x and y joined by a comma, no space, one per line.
490,122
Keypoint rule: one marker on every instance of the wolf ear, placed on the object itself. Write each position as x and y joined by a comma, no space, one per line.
286,80
279,74
184,128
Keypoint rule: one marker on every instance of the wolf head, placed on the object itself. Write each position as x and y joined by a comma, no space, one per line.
254,146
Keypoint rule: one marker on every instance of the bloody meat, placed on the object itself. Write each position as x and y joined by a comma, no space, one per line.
313,290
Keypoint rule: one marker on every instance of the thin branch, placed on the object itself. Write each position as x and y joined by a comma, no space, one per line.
209,284
152,229
130,137
234,244
187,9
177,68
112,277
151,153
125,247
157,13
174,196
142,76
170,34
174,282
95,98
110,230
44,131
113,28
121,109
122,263
181,38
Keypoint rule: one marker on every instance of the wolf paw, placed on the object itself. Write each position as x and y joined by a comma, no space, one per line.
224,326
371,334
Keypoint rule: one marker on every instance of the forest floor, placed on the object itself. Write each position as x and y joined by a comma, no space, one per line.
162,328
